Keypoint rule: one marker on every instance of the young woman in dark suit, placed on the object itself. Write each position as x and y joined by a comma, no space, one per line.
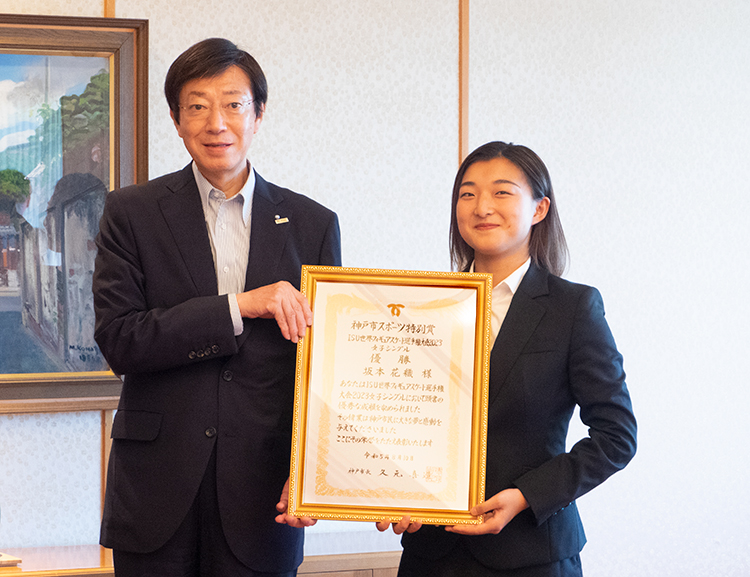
552,351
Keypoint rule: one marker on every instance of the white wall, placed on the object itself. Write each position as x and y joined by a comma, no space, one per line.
641,111
361,115
89,8
50,479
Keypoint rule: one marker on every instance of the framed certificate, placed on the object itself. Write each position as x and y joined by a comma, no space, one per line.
390,415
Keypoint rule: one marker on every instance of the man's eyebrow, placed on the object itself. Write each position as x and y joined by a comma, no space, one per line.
226,92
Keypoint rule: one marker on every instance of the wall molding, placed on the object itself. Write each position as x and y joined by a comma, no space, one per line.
463,80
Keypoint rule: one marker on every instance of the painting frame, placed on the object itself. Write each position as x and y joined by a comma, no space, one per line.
125,43
442,320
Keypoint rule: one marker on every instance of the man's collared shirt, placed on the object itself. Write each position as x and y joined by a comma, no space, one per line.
228,225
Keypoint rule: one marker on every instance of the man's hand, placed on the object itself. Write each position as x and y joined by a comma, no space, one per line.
398,528
498,511
280,301
284,518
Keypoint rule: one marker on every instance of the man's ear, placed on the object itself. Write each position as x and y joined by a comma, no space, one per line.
176,124
259,119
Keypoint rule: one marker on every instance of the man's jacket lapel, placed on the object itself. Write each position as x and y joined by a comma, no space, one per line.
183,212
271,221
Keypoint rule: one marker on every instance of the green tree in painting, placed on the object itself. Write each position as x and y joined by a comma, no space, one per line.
13,188
85,129
86,113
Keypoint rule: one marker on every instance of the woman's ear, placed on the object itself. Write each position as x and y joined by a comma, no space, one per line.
542,208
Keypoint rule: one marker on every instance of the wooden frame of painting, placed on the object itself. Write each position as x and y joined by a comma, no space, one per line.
75,95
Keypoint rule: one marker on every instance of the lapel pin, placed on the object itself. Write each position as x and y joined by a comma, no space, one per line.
280,220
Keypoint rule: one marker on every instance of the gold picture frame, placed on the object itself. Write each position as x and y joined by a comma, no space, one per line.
390,412
123,152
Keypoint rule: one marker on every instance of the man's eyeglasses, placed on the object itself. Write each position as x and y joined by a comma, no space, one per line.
197,111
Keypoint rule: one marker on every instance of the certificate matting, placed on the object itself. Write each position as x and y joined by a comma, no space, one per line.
391,396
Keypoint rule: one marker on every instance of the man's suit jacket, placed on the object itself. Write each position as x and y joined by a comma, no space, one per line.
189,383
554,351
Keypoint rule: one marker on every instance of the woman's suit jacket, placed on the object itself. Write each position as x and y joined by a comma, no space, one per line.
554,351
190,386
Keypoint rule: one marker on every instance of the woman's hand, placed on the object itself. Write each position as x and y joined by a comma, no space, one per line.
284,518
398,528
498,511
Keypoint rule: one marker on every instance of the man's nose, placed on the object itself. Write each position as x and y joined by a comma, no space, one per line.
215,120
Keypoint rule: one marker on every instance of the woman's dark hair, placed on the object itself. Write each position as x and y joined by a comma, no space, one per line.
547,246
209,58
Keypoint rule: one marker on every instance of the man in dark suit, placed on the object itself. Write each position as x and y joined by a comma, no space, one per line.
197,305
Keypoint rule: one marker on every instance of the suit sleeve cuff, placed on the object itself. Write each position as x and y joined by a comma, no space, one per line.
234,309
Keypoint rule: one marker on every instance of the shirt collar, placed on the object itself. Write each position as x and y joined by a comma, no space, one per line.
246,193
513,280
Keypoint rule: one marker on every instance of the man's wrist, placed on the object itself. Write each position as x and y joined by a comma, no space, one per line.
234,310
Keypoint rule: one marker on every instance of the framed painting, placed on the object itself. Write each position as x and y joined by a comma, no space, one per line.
73,127
391,396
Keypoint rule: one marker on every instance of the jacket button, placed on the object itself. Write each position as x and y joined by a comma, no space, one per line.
210,432
215,349
191,355
207,352
227,375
